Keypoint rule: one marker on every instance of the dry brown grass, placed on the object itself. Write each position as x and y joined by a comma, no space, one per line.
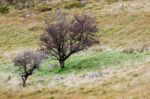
128,82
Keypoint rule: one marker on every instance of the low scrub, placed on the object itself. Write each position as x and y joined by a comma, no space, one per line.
4,9
43,7
136,49
21,5
27,62
74,4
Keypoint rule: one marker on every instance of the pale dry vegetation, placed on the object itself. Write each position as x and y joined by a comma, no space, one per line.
131,82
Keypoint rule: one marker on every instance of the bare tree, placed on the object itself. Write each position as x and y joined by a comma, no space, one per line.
64,38
27,62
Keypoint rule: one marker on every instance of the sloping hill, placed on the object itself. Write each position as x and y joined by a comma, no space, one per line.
123,23
103,71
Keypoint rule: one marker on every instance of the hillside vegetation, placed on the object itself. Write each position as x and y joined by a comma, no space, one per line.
116,68
121,23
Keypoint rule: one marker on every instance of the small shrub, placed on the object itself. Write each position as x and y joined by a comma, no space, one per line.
4,9
28,4
128,50
44,7
27,62
21,4
34,28
135,49
75,4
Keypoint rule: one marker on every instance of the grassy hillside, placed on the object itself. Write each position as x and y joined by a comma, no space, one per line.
120,24
132,81
113,69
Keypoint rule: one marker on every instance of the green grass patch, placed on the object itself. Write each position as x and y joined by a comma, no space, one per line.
85,61
90,61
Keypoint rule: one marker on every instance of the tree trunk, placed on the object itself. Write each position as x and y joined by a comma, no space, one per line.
24,79
62,64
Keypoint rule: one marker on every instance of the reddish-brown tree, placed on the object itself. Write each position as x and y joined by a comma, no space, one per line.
64,38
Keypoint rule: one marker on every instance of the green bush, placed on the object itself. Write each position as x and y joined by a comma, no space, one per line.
44,7
74,4
4,9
